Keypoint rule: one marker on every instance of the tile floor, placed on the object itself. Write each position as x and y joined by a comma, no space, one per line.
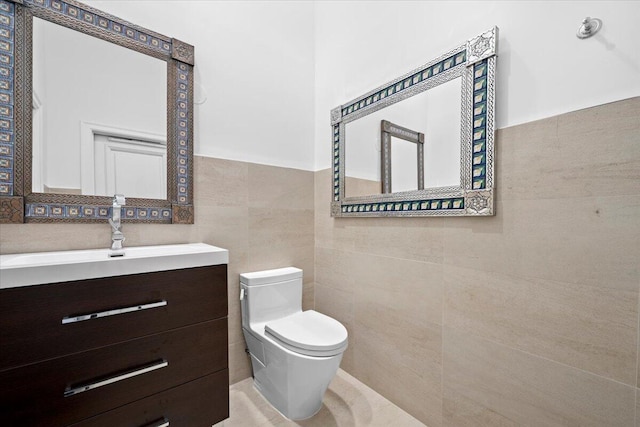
347,403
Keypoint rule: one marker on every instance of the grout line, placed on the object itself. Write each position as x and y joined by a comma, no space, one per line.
635,412
460,331
637,339
379,255
442,335
442,360
529,277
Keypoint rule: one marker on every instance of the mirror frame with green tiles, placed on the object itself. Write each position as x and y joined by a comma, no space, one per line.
475,63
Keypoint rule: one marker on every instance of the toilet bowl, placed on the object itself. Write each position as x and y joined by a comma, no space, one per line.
294,354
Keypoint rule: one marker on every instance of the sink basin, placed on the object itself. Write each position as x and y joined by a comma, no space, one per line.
51,267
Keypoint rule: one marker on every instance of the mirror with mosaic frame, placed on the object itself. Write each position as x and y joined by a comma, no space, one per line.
18,203
474,62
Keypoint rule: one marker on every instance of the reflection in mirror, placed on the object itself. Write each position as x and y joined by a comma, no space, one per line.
401,178
436,113
99,117
404,169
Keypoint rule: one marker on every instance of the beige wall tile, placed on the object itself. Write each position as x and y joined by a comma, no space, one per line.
591,328
591,241
237,265
511,385
637,407
355,187
458,411
308,296
331,232
337,233
335,303
348,357
21,238
339,304
225,226
396,332
280,188
239,362
220,182
322,192
334,268
158,234
419,239
638,353
591,152
281,238
281,227
620,115
381,363
407,288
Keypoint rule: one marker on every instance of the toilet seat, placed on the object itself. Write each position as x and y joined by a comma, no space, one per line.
309,333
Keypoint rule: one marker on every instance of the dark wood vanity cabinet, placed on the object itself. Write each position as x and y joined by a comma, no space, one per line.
139,350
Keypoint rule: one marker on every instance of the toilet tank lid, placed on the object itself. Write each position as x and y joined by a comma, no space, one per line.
270,276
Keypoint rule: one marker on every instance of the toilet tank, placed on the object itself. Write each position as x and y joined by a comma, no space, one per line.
270,294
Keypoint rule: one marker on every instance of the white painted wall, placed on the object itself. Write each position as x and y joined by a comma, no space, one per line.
543,68
273,70
255,60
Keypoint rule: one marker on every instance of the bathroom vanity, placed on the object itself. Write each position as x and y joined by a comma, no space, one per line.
88,340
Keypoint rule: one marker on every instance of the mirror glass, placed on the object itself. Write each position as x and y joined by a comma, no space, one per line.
436,113
99,116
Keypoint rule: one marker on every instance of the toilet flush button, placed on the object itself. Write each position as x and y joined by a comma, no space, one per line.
241,294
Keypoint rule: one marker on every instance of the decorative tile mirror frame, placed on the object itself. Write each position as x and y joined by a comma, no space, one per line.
17,201
475,62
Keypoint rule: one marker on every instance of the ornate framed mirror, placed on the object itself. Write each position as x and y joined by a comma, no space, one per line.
450,101
62,56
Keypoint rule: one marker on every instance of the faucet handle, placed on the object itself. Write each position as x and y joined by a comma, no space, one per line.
119,199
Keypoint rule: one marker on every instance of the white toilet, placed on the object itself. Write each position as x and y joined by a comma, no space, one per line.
294,354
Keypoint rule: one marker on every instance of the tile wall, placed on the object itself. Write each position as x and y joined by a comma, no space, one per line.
529,317
262,214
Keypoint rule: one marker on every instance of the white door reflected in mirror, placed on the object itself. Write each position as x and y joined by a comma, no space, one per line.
404,170
132,167
82,79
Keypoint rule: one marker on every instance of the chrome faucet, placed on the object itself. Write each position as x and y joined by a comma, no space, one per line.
116,236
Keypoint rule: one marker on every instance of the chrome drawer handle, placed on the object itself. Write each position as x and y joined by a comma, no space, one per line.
83,317
160,423
130,374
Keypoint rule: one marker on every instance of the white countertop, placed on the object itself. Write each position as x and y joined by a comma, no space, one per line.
39,268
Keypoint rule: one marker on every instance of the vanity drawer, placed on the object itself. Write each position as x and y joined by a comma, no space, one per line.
199,403
43,393
47,321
